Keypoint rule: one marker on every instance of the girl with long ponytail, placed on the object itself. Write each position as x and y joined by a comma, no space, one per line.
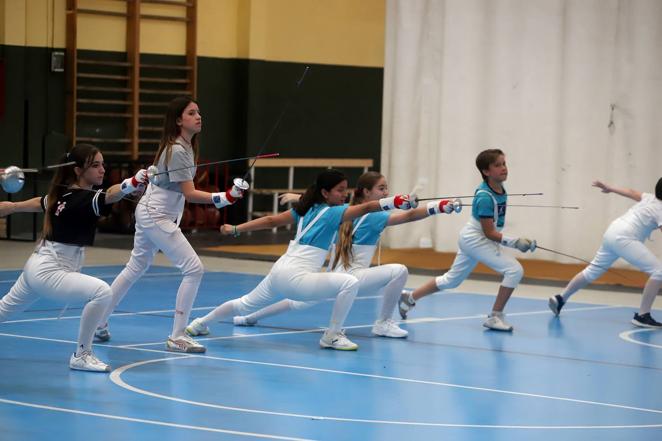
318,215
71,211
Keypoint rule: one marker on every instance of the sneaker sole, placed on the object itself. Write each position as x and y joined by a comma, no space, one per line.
187,351
192,334
554,307
339,349
108,369
101,339
498,329
644,325
389,336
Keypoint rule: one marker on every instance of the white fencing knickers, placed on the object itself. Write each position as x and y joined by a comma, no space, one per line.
618,242
386,281
53,272
474,247
296,276
158,230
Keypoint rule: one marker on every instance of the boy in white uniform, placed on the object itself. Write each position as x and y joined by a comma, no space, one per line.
625,238
480,241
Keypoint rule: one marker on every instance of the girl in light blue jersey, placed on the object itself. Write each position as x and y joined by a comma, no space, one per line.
480,241
318,215
353,253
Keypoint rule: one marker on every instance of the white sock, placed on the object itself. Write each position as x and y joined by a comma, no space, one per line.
186,294
578,282
648,297
341,308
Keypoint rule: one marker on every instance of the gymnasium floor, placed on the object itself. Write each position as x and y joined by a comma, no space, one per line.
587,375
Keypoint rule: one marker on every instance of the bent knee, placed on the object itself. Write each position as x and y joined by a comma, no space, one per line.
194,268
656,274
513,275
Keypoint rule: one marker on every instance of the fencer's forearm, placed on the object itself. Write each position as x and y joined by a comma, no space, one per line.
265,223
354,211
490,231
402,217
626,192
114,194
198,197
28,206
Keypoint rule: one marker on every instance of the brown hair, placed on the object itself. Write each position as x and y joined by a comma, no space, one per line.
83,156
344,253
313,195
485,158
171,129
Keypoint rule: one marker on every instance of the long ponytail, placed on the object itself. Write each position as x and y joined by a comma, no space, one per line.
344,253
83,156
313,195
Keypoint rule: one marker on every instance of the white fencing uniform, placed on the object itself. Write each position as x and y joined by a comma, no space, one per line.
296,274
625,238
157,228
385,280
53,270
474,247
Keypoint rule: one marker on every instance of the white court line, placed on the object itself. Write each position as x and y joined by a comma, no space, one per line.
144,421
115,377
625,335
176,355
160,311
410,321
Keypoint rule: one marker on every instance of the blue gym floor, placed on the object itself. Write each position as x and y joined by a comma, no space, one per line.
586,375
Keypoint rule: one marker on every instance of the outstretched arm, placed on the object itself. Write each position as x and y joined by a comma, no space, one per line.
436,207
263,223
627,192
400,201
30,206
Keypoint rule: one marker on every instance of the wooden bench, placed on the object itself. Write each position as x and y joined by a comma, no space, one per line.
291,164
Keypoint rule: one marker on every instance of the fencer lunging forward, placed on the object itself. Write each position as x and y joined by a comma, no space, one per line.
480,241
625,238
296,275
354,251
158,215
71,210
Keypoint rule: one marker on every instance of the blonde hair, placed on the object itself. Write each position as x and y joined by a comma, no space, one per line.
344,254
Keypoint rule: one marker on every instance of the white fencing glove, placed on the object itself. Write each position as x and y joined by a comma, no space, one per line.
523,244
401,201
230,196
444,206
136,182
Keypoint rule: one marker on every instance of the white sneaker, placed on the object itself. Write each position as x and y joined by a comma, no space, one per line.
184,344
86,361
243,320
497,322
197,327
388,328
405,304
102,333
337,341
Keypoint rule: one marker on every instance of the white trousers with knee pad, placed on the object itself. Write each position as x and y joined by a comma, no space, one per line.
474,247
148,240
617,242
53,271
386,281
